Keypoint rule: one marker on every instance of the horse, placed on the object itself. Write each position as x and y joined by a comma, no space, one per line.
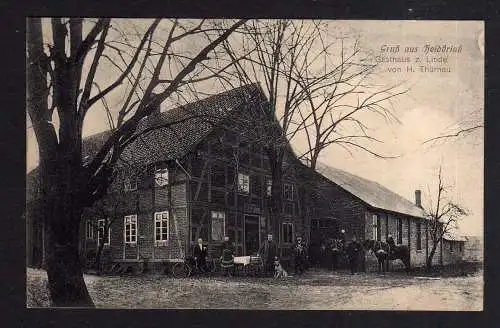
382,251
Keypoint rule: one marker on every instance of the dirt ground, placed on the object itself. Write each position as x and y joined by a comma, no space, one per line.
315,290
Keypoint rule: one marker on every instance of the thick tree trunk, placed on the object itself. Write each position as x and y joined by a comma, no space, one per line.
63,210
65,277
276,164
97,263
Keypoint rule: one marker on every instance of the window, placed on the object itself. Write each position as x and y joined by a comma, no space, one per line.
460,247
287,232
288,191
161,177
419,236
243,183
102,233
130,184
89,230
451,247
375,227
399,231
218,225
130,229
161,228
269,187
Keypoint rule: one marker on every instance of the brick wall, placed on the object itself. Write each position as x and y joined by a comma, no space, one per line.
389,226
144,202
330,201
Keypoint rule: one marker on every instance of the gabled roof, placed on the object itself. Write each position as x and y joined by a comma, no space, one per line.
370,192
161,140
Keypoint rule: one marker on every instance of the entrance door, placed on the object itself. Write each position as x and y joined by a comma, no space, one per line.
251,234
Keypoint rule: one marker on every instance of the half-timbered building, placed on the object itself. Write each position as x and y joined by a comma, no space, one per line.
196,171
201,171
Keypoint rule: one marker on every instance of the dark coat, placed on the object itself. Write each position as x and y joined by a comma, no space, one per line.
200,253
299,250
353,249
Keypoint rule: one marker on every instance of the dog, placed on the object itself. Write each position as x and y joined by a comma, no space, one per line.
279,272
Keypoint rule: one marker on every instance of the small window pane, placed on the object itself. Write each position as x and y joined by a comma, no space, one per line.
243,183
161,177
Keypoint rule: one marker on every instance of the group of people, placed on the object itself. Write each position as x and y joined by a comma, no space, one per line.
200,253
269,252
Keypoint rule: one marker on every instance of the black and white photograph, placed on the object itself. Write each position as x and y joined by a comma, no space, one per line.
254,164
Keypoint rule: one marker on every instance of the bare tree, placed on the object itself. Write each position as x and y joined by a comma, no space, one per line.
317,86
469,125
104,213
62,80
336,106
443,216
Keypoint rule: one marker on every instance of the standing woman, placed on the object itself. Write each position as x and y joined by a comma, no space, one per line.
227,258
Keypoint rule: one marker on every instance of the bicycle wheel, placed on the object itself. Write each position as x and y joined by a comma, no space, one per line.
181,270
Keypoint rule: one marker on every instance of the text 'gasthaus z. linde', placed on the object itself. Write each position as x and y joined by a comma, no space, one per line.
427,58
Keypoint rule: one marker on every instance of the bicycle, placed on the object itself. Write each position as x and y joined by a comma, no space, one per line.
187,267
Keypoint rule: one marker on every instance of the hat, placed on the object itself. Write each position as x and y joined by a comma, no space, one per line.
389,236
342,231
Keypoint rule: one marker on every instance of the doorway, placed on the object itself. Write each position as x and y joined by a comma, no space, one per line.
321,230
251,234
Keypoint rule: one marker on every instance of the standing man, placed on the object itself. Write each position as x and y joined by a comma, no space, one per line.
392,245
353,250
299,255
200,256
267,251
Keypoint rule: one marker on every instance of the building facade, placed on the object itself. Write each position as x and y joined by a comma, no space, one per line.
193,180
202,171
368,210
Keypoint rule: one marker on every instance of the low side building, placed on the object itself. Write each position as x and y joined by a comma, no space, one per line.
473,249
368,210
453,248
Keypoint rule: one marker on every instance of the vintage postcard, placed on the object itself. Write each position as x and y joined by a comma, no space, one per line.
255,164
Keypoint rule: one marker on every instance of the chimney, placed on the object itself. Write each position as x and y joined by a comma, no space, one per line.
418,198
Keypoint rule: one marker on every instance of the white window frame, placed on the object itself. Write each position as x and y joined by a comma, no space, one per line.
162,177
217,215
163,218
130,220
243,183
269,187
130,184
291,191
375,226
89,230
99,227
282,232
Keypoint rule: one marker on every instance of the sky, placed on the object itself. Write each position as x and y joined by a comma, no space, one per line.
434,103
